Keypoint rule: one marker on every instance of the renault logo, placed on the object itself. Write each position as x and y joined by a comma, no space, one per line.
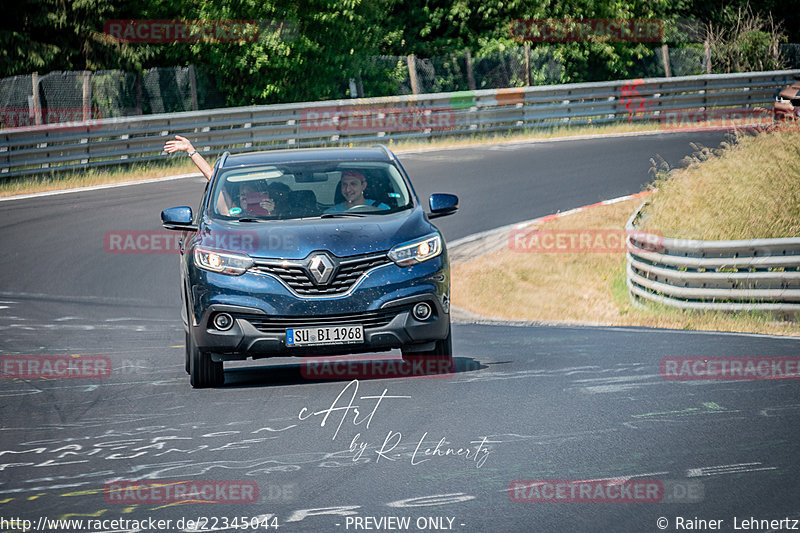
321,268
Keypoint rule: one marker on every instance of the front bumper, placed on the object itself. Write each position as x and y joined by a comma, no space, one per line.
257,335
263,309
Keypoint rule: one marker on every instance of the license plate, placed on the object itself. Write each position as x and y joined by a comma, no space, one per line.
325,335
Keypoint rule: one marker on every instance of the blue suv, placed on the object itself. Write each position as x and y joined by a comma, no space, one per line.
311,252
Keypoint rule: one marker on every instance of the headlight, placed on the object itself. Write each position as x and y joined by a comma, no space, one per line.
224,262
417,251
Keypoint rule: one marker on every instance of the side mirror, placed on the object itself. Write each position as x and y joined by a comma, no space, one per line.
179,218
442,204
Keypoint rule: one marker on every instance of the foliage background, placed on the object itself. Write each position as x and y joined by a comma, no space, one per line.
334,41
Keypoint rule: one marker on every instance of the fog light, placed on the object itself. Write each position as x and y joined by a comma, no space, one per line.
223,321
422,311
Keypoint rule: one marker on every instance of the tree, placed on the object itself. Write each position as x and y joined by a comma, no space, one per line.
308,51
47,35
745,41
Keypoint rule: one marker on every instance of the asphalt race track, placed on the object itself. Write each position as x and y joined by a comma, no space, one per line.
325,453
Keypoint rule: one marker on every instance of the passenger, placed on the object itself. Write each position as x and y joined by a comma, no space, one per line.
253,201
274,203
182,143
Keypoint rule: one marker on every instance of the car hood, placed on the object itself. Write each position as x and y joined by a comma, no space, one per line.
295,239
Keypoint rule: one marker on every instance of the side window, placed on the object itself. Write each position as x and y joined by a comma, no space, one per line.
214,178
199,213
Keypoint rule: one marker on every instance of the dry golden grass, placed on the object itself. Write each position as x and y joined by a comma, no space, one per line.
746,191
582,287
541,286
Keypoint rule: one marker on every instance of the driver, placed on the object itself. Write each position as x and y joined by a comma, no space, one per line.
352,186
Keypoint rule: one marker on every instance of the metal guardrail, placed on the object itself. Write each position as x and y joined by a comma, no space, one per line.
108,142
758,274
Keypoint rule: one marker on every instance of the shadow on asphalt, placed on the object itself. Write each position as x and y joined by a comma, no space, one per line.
338,369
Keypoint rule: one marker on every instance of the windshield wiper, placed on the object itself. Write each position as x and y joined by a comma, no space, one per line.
246,219
338,215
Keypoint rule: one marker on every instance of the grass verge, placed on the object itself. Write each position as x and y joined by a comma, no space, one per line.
746,190
588,286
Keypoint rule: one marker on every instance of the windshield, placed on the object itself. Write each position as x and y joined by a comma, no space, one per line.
303,190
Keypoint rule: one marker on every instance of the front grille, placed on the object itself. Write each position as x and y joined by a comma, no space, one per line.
294,274
368,319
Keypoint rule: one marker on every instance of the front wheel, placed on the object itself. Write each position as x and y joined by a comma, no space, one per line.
437,361
444,347
186,352
203,372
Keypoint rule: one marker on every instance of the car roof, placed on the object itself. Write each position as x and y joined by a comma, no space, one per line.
791,91
292,155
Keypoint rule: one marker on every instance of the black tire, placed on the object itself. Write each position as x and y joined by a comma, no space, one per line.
203,372
186,351
441,357
442,348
